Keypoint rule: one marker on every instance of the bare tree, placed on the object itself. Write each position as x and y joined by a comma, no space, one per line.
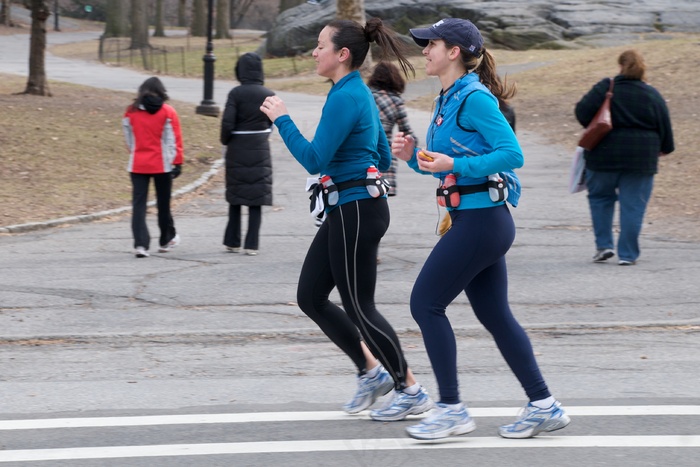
238,10
199,19
354,10
182,13
351,9
159,27
37,83
222,19
5,13
116,18
139,25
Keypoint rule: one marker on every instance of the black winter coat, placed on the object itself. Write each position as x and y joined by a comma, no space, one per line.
245,131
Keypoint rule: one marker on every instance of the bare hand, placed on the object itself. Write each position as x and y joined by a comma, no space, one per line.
440,162
402,146
274,108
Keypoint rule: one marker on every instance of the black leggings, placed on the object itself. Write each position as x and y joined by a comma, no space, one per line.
470,257
344,255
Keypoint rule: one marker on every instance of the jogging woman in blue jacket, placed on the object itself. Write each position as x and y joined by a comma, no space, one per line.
349,144
468,140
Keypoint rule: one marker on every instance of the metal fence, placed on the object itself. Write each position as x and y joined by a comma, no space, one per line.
158,59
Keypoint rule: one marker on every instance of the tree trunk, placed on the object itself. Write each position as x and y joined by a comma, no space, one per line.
139,25
159,28
182,13
222,19
355,10
351,9
5,13
116,16
199,19
238,10
37,83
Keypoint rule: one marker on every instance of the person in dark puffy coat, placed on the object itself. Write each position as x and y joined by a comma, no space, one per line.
245,131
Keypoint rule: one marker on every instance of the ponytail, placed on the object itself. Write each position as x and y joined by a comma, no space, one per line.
485,67
356,38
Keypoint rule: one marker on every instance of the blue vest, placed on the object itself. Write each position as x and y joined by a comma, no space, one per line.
445,135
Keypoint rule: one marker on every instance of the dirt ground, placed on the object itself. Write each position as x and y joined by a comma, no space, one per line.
78,131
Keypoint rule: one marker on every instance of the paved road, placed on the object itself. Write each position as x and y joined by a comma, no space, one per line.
90,335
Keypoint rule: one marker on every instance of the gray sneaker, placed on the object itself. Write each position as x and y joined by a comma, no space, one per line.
533,420
402,405
603,255
369,390
443,422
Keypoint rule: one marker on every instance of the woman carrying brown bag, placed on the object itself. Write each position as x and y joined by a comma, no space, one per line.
622,166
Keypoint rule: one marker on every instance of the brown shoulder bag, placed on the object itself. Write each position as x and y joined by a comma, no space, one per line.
600,125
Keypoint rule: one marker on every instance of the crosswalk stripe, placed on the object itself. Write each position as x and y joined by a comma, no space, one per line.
201,419
112,452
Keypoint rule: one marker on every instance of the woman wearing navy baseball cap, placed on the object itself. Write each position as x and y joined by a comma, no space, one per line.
470,141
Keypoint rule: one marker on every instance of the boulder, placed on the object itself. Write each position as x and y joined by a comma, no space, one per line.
512,24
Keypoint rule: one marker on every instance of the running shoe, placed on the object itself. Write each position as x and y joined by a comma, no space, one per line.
624,262
603,255
170,245
141,252
402,405
369,390
533,420
443,422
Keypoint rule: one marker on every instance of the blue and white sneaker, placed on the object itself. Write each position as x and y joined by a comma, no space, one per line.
369,390
442,423
402,405
533,420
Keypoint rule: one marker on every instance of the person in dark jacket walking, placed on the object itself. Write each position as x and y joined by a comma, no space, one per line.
622,166
245,131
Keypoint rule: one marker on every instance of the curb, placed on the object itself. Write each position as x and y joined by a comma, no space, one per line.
31,226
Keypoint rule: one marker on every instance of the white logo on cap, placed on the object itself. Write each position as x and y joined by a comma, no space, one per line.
438,23
472,48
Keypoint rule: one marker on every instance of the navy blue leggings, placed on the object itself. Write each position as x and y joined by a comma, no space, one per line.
344,255
470,257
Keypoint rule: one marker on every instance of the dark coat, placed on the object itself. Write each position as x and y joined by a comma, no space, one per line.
641,127
248,161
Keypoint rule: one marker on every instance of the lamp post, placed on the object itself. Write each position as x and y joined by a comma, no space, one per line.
55,16
208,107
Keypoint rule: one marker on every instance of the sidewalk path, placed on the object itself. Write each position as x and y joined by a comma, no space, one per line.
82,285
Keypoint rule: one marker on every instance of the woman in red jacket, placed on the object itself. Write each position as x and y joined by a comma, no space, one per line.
152,132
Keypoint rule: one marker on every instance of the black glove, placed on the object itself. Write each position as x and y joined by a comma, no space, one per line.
177,170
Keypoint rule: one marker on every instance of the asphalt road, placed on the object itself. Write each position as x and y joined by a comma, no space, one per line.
201,357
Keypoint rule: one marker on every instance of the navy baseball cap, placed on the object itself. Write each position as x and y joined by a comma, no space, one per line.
455,31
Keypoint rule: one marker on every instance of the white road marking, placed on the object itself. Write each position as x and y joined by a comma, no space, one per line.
201,419
112,452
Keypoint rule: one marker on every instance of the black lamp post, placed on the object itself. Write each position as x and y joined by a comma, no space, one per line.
208,107
55,16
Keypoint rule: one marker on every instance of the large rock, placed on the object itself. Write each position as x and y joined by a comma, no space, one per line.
513,24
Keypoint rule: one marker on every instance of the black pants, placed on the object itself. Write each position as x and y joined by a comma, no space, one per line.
139,199
344,255
232,236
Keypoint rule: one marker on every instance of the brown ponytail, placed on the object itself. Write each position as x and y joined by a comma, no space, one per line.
485,67
356,38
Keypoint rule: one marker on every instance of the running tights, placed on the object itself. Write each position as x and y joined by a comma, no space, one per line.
470,257
344,255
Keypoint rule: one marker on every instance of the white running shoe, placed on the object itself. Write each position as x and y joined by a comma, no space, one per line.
443,422
402,405
533,420
141,252
171,244
369,390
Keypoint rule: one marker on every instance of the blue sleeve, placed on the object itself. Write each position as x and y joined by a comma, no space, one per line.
485,118
337,121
